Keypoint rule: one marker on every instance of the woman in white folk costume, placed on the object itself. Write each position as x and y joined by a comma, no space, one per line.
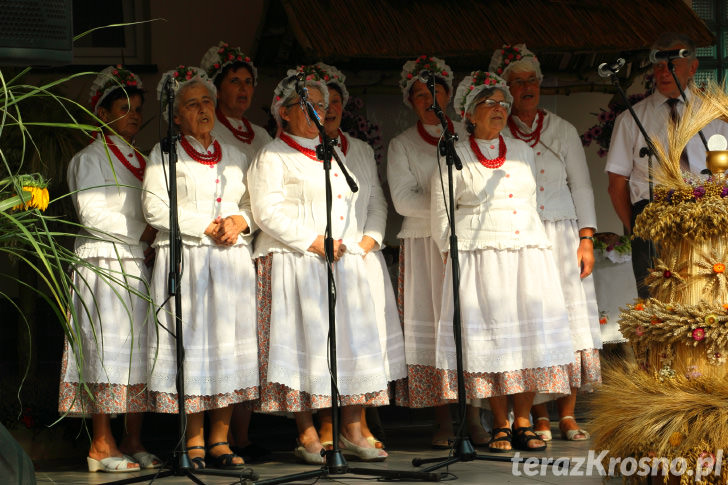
411,161
359,160
218,277
566,206
111,311
288,201
512,306
235,78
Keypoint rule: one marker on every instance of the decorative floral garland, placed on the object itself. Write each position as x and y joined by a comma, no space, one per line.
225,55
700,209
117,77
476,82
652,321
423,63
182,74
509,53
355,123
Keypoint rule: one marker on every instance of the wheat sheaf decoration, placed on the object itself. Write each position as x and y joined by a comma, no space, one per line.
708,103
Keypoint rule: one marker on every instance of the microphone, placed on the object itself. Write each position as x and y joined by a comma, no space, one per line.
665,55
294,78
425,76
606,70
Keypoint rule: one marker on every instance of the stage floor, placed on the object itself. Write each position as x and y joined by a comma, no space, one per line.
404,444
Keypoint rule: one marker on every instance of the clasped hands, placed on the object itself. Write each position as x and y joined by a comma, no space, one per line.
225,231
367,244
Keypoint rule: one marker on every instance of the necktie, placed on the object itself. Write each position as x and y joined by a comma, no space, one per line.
675,117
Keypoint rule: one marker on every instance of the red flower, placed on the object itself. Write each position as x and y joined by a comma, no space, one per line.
247,59
640,330
667,274
603,321
699,334
639,306
409,76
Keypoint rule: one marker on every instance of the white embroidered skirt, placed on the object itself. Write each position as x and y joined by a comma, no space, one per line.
110,329
388,324
219,330
512,310
299,327
579,294
422,296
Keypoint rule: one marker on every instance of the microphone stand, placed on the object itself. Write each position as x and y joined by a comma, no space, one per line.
648,151
671,67
181,465
334,461
462,448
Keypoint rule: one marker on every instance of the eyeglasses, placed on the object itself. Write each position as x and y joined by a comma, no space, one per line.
490,103
520,83
317,106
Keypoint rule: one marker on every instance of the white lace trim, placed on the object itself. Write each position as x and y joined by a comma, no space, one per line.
321,385
510,362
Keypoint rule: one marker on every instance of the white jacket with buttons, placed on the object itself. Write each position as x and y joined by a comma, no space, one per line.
494,208
562,175
288,199
204,193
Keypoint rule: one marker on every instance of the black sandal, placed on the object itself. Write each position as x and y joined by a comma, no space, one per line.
507,438
522,436
224,461
252,453
198,462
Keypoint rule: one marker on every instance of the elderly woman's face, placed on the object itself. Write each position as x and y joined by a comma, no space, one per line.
297,118
333,114
124,116
489,120
525,89
195,112
421,99
236,92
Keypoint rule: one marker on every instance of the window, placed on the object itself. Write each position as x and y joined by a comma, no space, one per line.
713,59
128,44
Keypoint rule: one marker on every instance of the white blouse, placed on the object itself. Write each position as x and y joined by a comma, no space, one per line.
627,141
204,192
411,161
562,175
360,163
288,200
495,208
107,198
261,138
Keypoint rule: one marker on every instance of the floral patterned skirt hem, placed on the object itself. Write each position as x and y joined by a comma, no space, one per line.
102,398
166,402
420,389
585,372
275,397
440,386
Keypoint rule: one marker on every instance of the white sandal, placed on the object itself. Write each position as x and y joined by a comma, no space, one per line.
112,464
362,453
545,434
146,460
571,434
